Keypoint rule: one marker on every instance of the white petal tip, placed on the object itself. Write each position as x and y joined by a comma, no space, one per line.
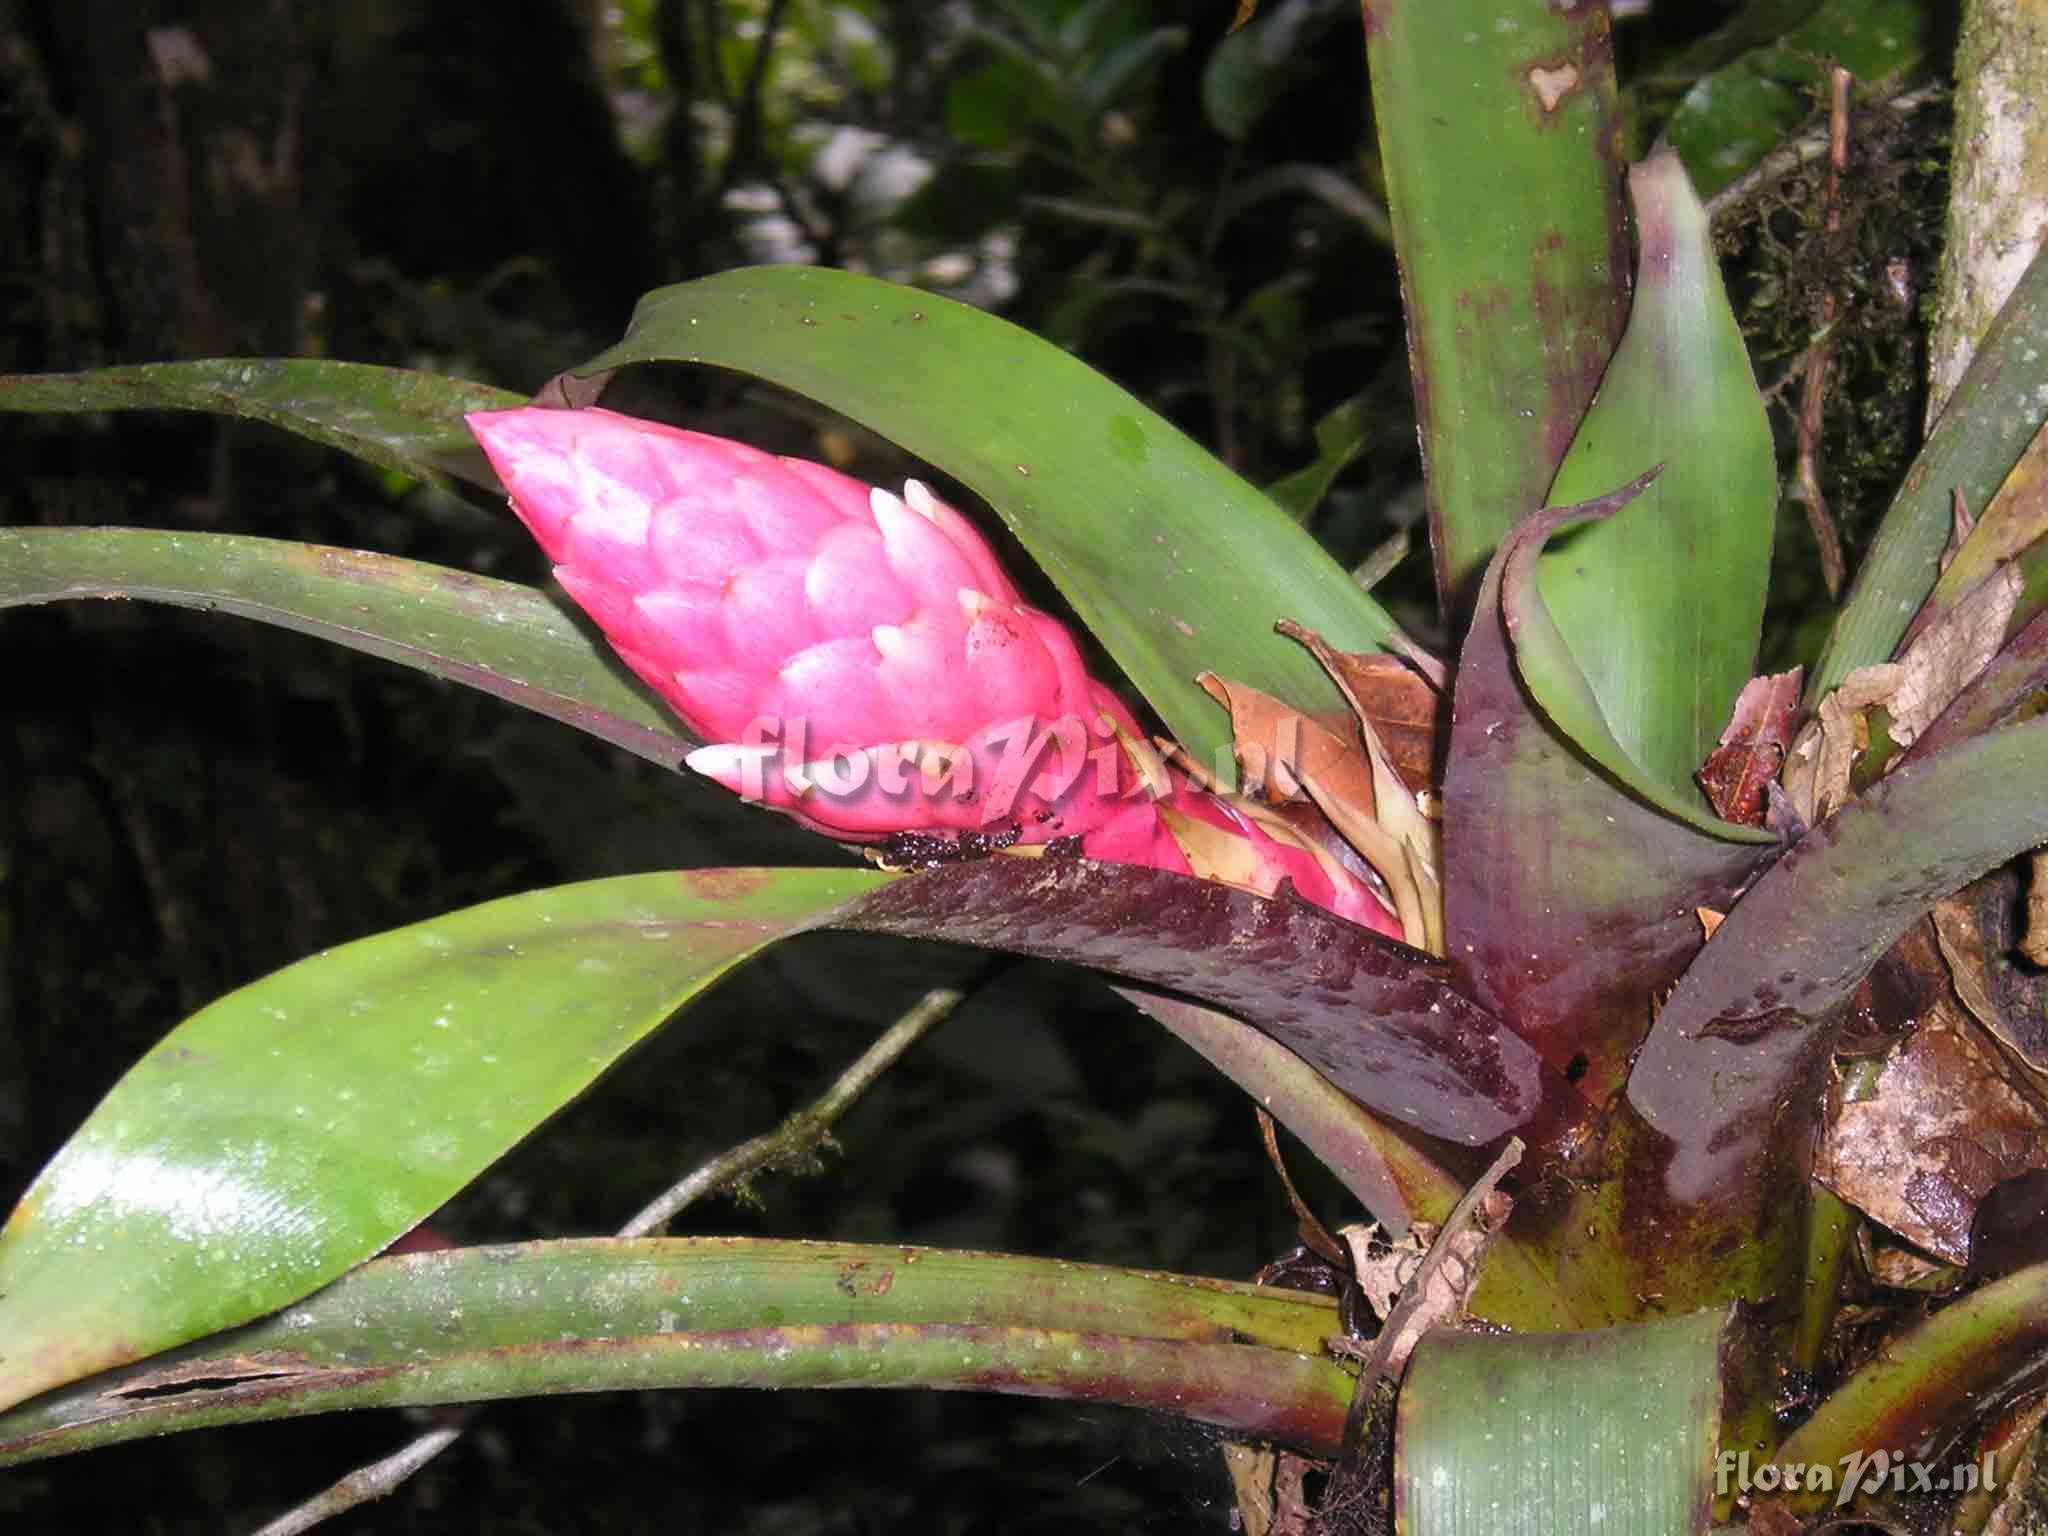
892,643
919,497
882,503
720,760
973,602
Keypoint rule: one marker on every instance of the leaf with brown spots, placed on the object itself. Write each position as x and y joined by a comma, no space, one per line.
1752,748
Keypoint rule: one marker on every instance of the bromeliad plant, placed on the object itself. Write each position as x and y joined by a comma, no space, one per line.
1547,949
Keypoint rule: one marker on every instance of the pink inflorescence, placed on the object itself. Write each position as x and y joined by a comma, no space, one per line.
854,659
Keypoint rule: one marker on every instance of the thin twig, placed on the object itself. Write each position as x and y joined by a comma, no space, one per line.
1813,393
802,1133
1423,1304
795,1140
365,1483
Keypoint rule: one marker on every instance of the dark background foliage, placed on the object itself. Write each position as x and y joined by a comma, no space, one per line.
187,803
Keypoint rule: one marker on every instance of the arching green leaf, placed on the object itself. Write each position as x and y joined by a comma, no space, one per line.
392,417
506,639
472,1324
1177,564
298,1125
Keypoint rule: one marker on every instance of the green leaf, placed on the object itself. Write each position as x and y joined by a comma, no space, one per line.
1259,63
298,1125
1560,685
1613,1430
473,1324
1499,136
391,417
1098,89
1735,1036
497,636
1983,430
1661,604
1739,113
1340,439
1924,1383
994,106
1175,563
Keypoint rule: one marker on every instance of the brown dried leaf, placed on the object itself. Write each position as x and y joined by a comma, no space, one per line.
1816,773
2034,938
1270,1485
1951,651
1403,842
1382,1266
1912,691
2004,1003
1276,743
1251,1469
1752,749
1435,1294
1393,698
1943,1127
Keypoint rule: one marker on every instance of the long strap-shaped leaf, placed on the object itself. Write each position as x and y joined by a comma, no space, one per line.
1380,1020
1175,563
479,1323
1500,138
506,639
298,1125
1729,1081
295,1127
394,418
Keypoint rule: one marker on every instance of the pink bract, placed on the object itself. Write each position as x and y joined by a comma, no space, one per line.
857,660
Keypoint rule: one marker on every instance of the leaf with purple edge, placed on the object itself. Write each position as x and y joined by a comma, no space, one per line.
1733,1043
1568,902
1550,667
1380,1020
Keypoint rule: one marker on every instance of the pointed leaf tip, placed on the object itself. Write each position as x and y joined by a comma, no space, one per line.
1661,606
